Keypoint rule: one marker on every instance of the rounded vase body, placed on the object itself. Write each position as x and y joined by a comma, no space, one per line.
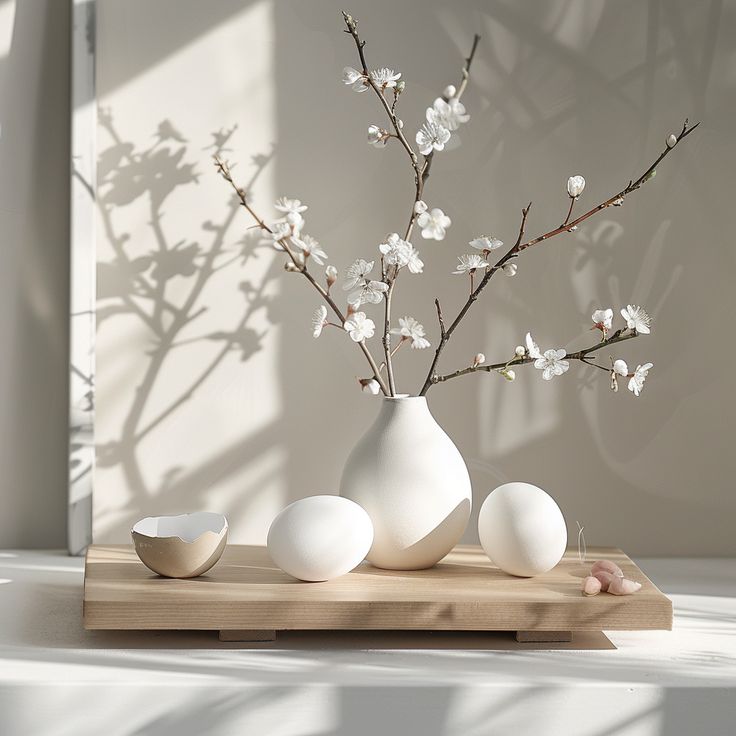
411,479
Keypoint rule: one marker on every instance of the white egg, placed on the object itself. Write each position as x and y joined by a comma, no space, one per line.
522,529
320,537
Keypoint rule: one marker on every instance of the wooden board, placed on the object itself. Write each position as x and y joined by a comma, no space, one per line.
246,592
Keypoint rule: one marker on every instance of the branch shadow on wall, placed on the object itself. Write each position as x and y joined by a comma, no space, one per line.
161,286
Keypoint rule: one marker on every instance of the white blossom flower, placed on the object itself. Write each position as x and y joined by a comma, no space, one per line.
377,136
385,77
370,386
637,319
410,329
415,264
636,382
552,364
357,272
447,113
310,247
395,251
371,292
575,186
434,224
602,318
469,263
419,207
620,367
292,209
319,320
400,253
531,347
290,206
359,327
279,231
432,136
355,79
486,242
510,269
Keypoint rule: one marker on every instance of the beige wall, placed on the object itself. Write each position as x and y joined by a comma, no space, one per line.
241,411
34,198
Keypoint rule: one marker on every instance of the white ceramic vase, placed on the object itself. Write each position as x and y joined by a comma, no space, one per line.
411,479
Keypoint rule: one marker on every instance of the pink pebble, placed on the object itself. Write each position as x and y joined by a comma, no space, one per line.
605,578
606,566
622,586
591,586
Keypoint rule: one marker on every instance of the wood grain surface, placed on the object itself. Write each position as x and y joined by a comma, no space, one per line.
465,592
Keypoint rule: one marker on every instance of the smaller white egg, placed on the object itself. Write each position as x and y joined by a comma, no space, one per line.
320,538
522,529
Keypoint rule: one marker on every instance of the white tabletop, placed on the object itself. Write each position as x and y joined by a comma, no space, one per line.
55,678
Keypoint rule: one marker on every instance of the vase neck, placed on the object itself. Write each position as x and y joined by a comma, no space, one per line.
404,407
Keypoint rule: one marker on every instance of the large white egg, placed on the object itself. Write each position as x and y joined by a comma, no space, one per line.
320,537
522,529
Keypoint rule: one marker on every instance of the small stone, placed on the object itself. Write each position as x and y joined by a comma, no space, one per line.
605,578
622,586
606,566
591,585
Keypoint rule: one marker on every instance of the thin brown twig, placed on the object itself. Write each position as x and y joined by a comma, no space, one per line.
519,247
421,172
224,170
581,355
445,337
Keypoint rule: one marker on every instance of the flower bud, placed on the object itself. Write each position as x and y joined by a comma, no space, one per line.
369,386
420,207
520,351
508,374
377,136
290,267
575,186
510,269
449,92
620,367
671,140
650,175
400,87
479,360
331,275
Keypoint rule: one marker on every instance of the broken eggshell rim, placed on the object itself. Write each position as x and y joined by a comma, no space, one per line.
221,523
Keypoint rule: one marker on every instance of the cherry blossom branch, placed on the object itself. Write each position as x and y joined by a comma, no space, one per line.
352,29
421,173
580,355
618,198
224,170
386,340
567,226
446,334
430,156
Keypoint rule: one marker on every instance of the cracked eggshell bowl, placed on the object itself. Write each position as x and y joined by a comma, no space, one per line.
181,546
